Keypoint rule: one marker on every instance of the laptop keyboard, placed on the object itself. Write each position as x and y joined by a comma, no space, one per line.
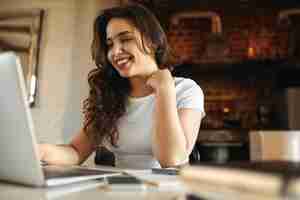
51,171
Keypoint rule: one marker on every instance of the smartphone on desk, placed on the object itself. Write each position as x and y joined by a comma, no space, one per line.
125,182
165,171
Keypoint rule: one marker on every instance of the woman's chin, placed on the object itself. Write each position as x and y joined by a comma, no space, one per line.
125,74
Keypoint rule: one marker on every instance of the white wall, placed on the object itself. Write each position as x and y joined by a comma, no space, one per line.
64,63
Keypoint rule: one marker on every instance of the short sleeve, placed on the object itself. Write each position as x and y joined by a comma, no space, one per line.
189,95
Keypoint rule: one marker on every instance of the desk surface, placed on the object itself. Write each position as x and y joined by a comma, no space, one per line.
17,192
88,190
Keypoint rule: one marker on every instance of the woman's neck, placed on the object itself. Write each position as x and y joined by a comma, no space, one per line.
139,88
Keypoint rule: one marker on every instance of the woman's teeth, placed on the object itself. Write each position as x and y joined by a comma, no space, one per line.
122,61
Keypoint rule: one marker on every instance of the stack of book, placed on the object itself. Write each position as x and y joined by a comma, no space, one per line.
247,180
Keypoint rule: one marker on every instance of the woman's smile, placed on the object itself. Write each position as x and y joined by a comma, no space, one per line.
123,62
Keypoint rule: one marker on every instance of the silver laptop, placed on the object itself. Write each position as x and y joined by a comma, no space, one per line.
19,161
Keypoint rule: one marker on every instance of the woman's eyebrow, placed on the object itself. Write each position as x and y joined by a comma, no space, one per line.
118,35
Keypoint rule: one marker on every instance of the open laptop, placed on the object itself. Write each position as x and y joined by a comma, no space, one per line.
19,161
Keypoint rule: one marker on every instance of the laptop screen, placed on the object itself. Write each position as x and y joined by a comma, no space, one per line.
18,147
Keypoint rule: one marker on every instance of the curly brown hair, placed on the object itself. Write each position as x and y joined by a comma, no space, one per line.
109,91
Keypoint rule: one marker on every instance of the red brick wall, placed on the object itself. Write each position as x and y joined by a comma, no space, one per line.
189,37
228,99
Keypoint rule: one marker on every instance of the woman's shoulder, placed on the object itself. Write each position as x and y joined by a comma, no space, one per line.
186,86
185,83
188,94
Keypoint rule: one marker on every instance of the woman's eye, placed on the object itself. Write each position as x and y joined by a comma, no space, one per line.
126,39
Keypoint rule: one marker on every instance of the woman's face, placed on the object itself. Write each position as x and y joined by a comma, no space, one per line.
125,50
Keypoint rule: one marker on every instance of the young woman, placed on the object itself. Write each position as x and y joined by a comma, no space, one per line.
135,107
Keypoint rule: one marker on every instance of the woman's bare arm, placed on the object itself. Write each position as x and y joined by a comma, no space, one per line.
69,154
176,130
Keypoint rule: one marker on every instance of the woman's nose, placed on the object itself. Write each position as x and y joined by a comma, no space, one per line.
117,49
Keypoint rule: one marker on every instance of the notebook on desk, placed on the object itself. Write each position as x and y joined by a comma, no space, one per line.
267,179
18,147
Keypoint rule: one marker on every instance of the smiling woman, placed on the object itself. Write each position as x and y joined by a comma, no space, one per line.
20,31
135,108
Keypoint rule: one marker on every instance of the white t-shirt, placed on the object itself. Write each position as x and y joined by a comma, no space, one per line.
136,126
